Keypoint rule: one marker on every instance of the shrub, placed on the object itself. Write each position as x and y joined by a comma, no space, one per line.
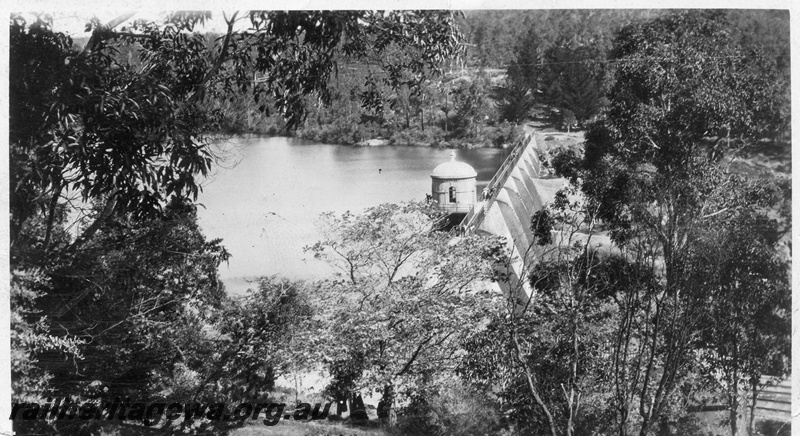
456,409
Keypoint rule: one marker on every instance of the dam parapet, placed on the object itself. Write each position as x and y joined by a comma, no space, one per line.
521,186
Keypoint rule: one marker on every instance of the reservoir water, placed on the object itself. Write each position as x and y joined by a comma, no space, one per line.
264,197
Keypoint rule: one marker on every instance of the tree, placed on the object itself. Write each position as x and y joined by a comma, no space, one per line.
525,71
264,335
682,73
83,122
138,296
568,119
406,294
514,102
31,337
469,102
683,98
573,79
747,333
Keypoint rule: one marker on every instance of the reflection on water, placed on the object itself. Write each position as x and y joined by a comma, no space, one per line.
265,197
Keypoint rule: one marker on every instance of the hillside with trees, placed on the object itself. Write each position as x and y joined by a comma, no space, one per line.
558,58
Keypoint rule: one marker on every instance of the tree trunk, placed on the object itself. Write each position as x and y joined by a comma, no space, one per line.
732,416
623,423
532,386
446,111
573,397
51,213
108,209
751,425
386,412
733,392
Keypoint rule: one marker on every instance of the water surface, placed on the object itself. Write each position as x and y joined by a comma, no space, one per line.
264,198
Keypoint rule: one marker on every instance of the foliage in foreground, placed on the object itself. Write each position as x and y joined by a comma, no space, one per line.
405,293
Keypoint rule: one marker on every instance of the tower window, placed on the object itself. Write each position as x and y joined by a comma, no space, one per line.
452,194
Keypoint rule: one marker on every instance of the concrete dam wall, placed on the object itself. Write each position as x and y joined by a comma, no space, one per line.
528,189
521,187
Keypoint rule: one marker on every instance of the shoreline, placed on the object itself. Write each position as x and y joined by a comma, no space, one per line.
373,142
500,141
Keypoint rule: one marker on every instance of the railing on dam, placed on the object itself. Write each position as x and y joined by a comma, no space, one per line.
472,221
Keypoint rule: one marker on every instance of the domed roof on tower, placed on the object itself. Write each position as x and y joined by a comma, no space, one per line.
454,170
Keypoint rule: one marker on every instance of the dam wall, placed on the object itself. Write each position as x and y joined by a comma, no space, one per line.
522,186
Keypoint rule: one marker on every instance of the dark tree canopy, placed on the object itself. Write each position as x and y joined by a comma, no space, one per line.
573,79
137,295
683,97
680,81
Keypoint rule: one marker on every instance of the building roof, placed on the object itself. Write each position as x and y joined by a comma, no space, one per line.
454,170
